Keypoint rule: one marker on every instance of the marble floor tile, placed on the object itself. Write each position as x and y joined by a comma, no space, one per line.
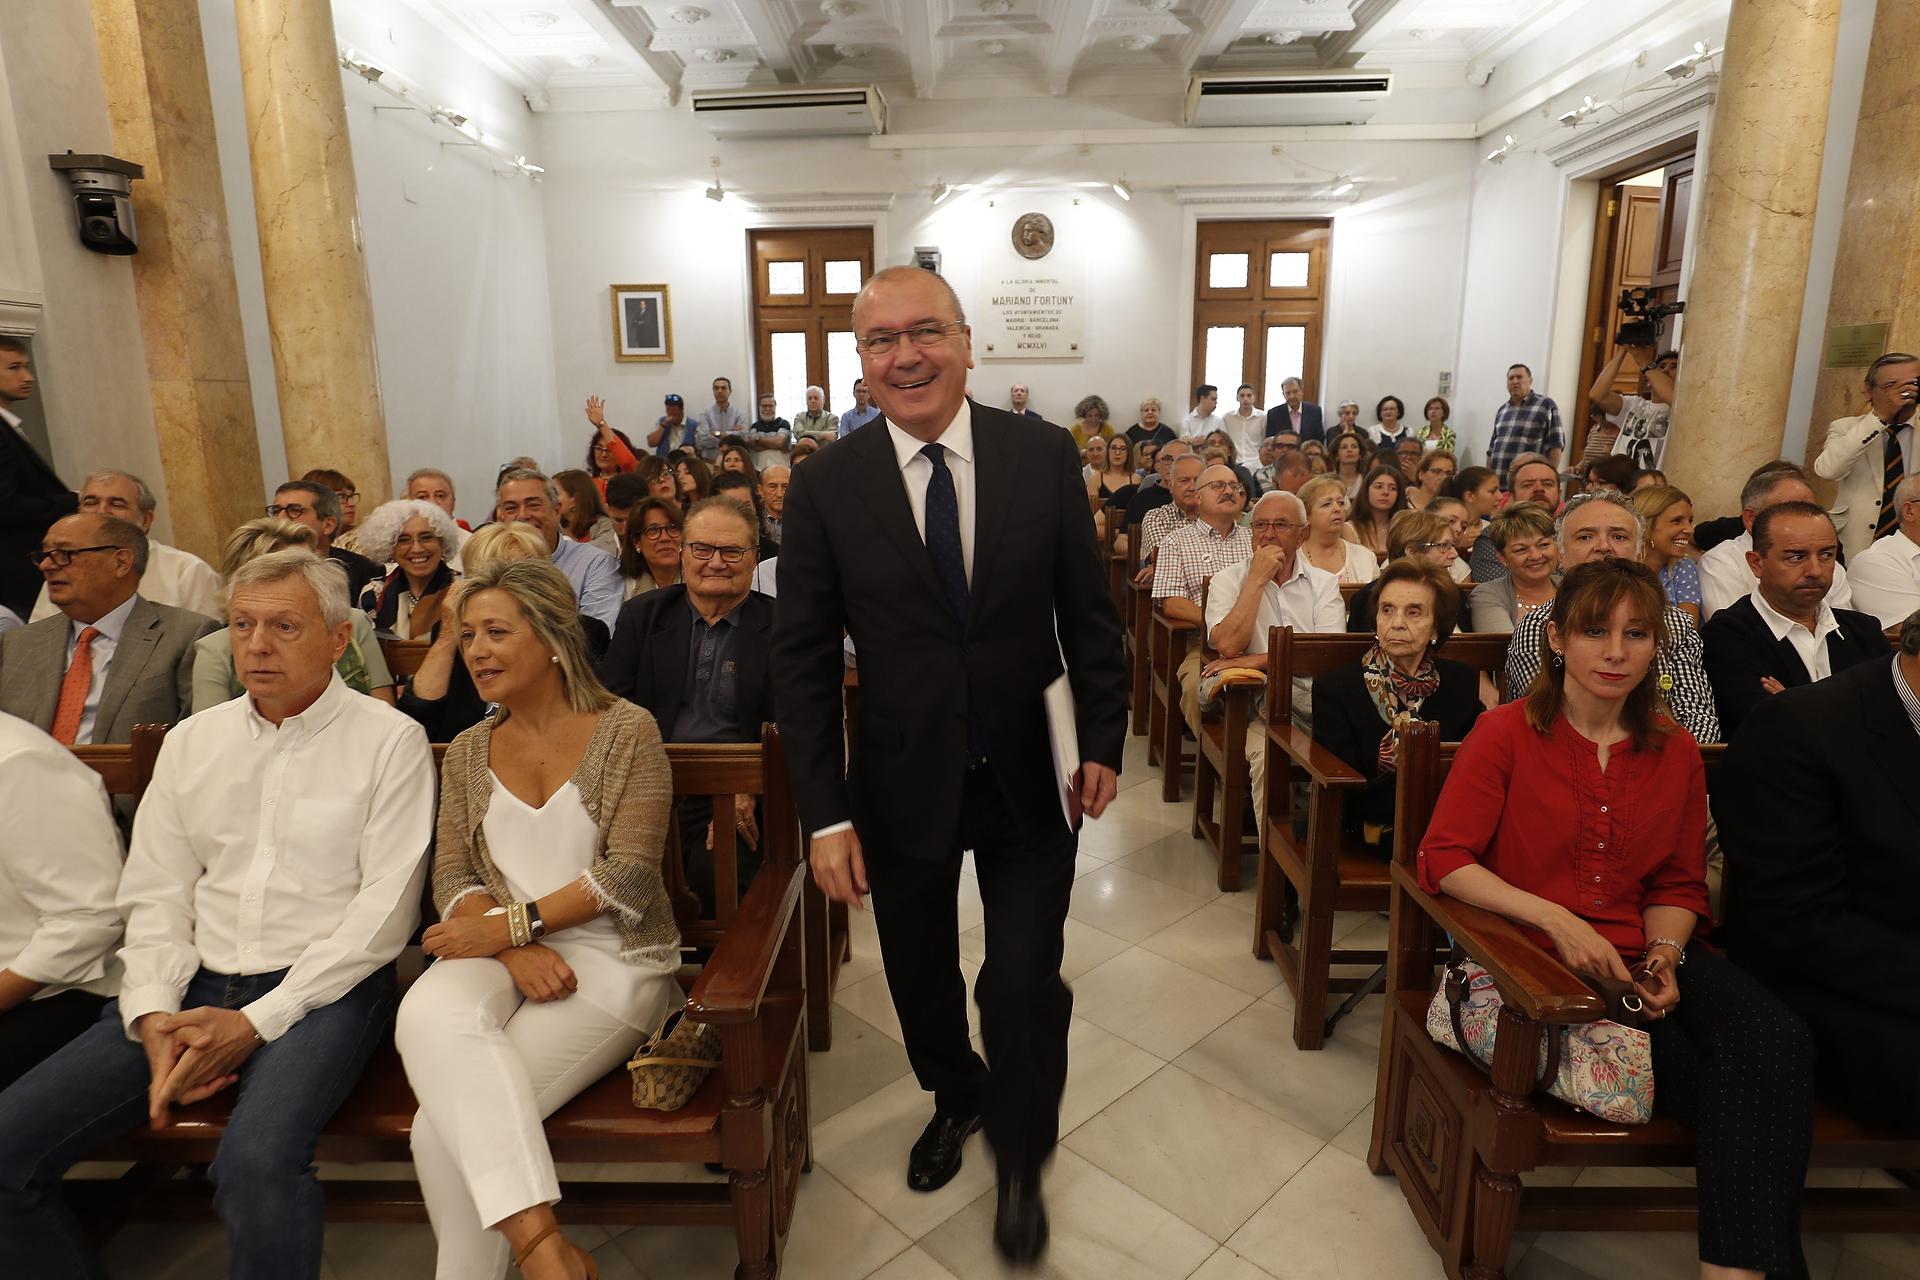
1252,1057
1188,1146
1115,835
1656,1255
162,1251
1186,863
377,1251
1218,941
1100,1067
863,1059
1357,1137
1101,1230
1225,1264
1086,948
865,1147
1129,905
914,1264
1899,1254
1149,1000
1334,1220
835,1236
674,1253
1854,1266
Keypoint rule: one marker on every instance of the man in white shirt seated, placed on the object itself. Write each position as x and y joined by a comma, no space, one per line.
1724,575
1886,576
274,876
1275,588
173,576
59,867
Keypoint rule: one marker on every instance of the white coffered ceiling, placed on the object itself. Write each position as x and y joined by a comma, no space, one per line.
600,54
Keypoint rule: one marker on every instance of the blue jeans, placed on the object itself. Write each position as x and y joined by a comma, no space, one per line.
265,1187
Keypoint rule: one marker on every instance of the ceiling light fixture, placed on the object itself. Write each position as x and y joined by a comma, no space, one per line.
531,170
1686,66
1501,152
449,115
941,191
1345,184
1122,190
352,60
716,192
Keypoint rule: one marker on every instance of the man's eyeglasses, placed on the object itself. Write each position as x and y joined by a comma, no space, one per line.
1225,486
659,531
1275,526
707,551
61,556
923,335
288,510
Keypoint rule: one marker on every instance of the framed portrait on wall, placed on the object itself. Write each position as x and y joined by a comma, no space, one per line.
642,327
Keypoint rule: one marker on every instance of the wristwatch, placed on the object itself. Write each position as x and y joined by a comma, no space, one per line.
535,925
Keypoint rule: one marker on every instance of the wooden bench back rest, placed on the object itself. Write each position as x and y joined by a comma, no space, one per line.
1309,654
127,767
404,657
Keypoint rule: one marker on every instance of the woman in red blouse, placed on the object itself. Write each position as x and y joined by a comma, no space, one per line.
610,452
1579,813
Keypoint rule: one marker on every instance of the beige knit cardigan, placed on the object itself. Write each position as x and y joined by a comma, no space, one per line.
626,785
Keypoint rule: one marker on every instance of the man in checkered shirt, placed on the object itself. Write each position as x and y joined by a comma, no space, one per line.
1183,484
1189,558
1526,423
1591,526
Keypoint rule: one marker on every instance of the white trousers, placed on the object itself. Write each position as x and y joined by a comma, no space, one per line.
488,1066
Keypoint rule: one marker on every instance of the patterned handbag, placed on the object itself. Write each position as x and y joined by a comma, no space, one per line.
672,1065
1603,1068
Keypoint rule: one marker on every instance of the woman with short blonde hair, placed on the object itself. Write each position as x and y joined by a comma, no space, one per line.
1327,546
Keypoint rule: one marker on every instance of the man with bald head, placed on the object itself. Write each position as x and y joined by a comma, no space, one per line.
1187,558
1725,575
952,542
173,576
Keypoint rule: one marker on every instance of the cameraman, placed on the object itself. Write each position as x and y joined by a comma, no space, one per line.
1860,453
1643,429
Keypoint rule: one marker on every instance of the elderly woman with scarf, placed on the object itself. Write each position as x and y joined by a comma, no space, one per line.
1358,708
416,538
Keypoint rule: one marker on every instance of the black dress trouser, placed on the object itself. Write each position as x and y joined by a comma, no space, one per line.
33,1030
1024,1006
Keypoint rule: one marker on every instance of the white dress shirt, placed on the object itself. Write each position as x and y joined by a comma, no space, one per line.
1246,434
1308,600
102,649
916,473
173,576
59,866
1725,578
260,848
1810,645
1886,579
1193,426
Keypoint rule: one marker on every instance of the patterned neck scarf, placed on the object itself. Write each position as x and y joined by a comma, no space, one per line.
1394,692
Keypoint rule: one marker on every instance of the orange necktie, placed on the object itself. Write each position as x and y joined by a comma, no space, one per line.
73,690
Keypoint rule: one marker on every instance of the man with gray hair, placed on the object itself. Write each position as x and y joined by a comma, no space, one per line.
173,576
1593,526
274,876
1886,576
529,497
1295,414
1724,574
816,422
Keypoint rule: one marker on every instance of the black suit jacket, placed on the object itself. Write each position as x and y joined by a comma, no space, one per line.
1817,809
1278,420
1346,722
32,497
647,661
1738,649
851,558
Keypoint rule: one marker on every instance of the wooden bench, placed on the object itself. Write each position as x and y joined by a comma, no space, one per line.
1330,871
1166,650
126,768
404,657
1135,614
1458,1139
1220,763
751,1115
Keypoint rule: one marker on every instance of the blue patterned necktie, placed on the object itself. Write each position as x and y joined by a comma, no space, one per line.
950,564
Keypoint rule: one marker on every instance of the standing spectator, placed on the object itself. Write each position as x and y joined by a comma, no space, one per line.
1522,536
1725,572
31,495
863,410
1091,422
1017,397
1668,514
610,452
1150,430
672,431
1527,423
718,420
1347,418
583,514
1390,424
1886,576
530,497
816,423
1643,418
1202,418
347,536
414,535
173,576
1432,476
1189,557
1867,456
1295,414
1246,425
1438,433
313,504
1327,546
770,437
773,503
650,553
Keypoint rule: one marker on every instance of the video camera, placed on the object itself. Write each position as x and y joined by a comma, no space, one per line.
1645,317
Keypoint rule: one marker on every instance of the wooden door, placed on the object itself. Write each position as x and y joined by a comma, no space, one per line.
804,283
1259,298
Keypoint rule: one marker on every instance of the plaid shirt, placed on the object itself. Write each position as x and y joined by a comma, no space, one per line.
1532,426
1196,553
1687,693
1157,524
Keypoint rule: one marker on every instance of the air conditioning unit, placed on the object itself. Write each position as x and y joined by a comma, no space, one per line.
791,113
1329,97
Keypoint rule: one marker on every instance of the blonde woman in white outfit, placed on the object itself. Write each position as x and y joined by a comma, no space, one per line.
553,817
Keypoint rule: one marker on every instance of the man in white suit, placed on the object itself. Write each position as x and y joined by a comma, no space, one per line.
1861,453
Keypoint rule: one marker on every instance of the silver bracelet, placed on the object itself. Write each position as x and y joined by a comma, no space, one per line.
1669,942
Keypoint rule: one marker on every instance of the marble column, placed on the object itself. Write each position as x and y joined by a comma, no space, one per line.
1876,274
1748,279
155,71
315,266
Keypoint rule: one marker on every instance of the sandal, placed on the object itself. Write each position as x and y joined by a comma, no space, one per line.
519,1259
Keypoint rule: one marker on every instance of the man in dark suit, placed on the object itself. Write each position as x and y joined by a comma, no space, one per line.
31,495
1295,414
695,655
1785,633
1816,805
313,504
109,659
950,542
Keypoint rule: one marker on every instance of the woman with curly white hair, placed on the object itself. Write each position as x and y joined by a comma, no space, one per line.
416,538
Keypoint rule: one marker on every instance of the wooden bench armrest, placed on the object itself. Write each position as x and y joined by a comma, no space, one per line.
1172,625
1242,678
1529,979
730,986
1325,768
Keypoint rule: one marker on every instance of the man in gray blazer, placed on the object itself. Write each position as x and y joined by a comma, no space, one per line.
110,659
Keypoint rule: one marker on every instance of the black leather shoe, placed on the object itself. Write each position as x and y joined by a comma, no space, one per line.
1020,1225
936,1157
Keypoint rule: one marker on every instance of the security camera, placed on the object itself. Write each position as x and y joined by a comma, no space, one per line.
102,187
